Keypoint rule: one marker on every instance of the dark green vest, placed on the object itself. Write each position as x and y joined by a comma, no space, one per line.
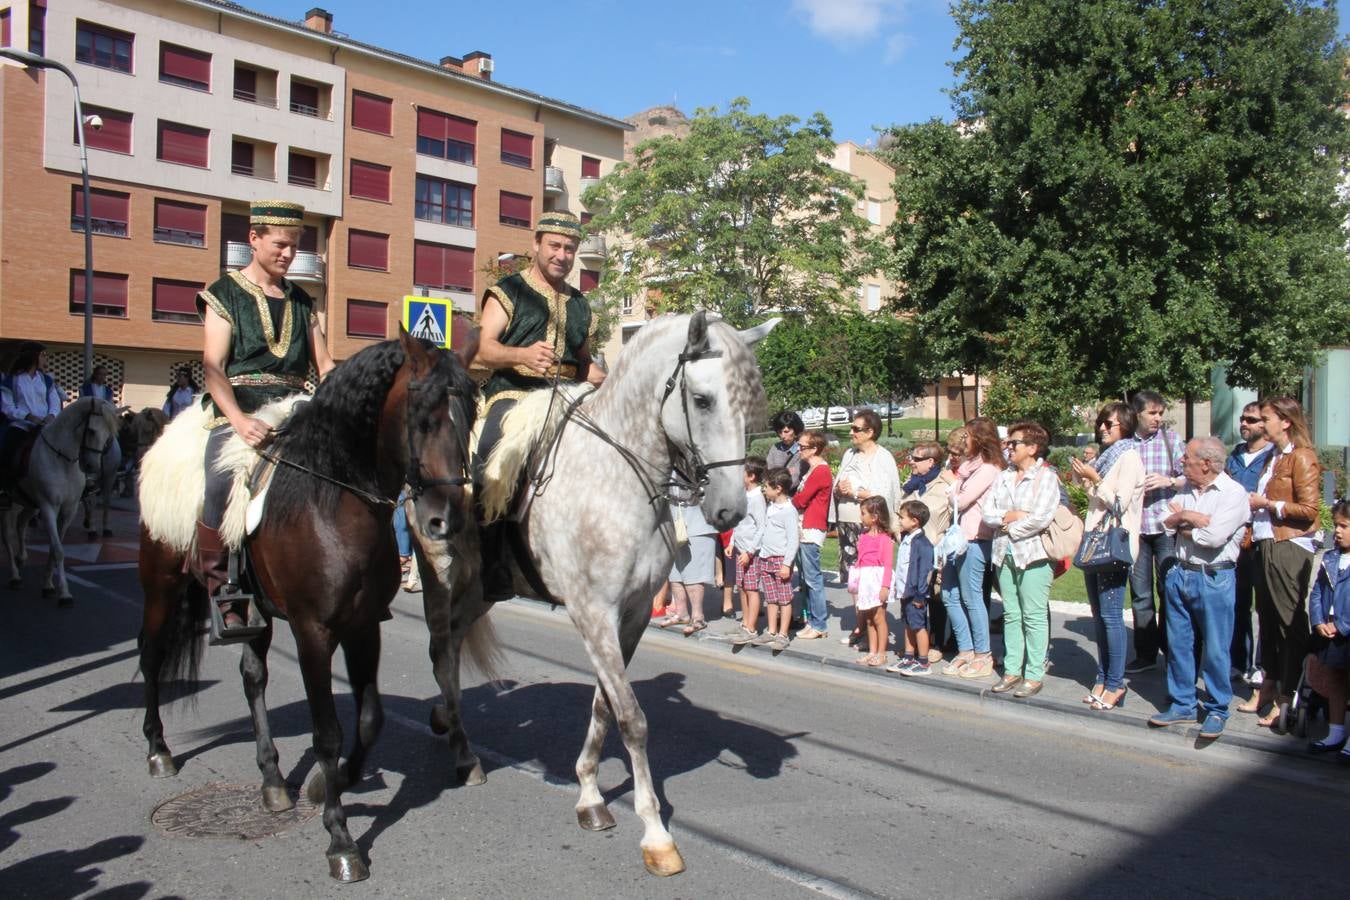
263,365
536,312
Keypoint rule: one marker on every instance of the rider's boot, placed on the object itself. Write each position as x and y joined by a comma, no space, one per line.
213,561
497,575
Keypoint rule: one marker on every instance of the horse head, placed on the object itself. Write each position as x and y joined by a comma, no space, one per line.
440,402
709,397
86,429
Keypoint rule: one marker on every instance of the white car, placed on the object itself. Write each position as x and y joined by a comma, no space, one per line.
838,415
812,417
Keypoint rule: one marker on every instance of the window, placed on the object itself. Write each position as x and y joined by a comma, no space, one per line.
175,301
367,319
873,297
304,98
626,308
253,85
372,113
367,250
37,27
515,209
589,280
115,134
180,223
586,218
517,149
110,294
448,137
303,170
4,27
446,202
106,48
182,144
874,212
241,158
590,167
184,67
108,211
309,239
440,266
369,180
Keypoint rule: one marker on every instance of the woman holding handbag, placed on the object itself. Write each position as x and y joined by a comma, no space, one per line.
1285,518
1115,482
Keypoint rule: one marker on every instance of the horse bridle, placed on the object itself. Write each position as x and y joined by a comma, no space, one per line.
417,485
84,442
696,479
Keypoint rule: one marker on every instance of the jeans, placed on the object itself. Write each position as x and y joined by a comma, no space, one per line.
1157,555
401,533
1026,617
963,595
1106,596
1244,646
813,586
1199,606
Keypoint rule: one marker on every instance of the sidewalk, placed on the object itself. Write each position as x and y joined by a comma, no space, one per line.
1072,671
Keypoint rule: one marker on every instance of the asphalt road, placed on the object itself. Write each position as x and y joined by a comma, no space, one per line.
778,779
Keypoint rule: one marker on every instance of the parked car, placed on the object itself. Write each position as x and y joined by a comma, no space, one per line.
812,416
838,415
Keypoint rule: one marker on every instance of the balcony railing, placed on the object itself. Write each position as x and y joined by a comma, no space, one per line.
302,180
304,109
307,266
554,185
256,98
237,255
588,183
592,247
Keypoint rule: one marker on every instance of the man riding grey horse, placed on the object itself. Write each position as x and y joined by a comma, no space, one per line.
261,336
29,399
535,332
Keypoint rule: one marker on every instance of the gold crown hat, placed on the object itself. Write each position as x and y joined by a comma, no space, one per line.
276,212
559,222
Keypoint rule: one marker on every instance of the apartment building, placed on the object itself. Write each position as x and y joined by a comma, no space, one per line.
416,176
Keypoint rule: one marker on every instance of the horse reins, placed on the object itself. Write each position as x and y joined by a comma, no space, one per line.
84,441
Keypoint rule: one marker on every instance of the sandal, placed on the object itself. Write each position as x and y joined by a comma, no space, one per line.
876,662
866,660
1095,694
672,621
957,663
694,627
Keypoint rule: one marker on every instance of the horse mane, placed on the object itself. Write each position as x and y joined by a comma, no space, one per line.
335,434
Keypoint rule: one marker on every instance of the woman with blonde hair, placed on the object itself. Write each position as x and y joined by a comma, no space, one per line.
1285,528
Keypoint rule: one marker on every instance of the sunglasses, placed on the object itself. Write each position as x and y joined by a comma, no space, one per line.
1250,420
858,428
1014,443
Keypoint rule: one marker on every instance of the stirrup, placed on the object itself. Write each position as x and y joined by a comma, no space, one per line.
230,592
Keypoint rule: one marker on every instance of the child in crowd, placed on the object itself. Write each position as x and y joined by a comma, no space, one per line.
869,581
743,547
777,548
1329,610
726,575
912,585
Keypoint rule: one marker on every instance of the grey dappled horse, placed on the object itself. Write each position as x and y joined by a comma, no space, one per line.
601,535
66,452
101,487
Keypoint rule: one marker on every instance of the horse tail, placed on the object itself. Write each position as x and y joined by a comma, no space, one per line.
483,649
182,641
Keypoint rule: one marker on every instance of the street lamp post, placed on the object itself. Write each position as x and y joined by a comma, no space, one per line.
42,62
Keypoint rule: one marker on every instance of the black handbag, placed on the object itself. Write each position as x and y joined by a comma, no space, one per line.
1105,548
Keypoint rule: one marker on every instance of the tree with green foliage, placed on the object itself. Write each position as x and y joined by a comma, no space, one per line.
744,216
1136,189
842,359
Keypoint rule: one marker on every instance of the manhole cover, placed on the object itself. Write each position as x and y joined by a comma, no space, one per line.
227,810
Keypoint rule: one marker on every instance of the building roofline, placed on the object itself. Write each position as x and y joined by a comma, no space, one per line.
225,7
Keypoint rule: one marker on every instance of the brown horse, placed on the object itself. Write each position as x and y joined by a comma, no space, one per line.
324,556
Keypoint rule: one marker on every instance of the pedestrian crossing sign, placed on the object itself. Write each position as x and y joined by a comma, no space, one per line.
428,318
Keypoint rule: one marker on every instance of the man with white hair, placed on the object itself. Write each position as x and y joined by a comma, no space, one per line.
1207,517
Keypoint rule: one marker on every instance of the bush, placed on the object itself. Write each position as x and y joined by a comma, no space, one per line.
761,446
1333,461
896,445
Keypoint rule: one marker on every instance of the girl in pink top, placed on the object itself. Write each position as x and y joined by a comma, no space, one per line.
869,580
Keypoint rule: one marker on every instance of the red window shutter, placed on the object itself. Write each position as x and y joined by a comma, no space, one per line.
241,157
305,94
367,318
372,113
109,289
176,297
246,83
303,170
369,180
458,129
590,167
367,250
427,264
108,205
430,125
515,206
189,217
4,28
116,132
458,268
187,65
589,280
515,144
439,266
183,144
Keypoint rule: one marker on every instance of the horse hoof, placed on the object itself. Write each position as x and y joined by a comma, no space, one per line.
314,791
276,799
348,867
47,593
598,818
440,719
663,861
161,765
472,775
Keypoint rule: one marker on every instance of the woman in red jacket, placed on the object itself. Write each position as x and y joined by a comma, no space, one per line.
813,501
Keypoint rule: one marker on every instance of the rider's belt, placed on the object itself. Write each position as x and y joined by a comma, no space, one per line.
565,370
267,379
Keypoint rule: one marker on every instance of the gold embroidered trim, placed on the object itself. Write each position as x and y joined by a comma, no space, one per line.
566,371
556,332
276,346
215,423
507,303
280,221
503,395
213,301
268,379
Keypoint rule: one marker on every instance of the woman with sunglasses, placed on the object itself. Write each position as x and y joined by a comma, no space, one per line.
866,470
1246,464
1115,479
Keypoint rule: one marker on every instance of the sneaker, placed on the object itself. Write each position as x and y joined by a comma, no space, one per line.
918,669
1141,664
901,664
767,637
780,642
1173,717
810,634
1212,728
743,637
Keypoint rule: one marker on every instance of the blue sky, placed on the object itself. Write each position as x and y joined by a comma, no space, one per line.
864,63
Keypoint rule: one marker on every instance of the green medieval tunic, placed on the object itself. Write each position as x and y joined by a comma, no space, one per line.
268,360
535,312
